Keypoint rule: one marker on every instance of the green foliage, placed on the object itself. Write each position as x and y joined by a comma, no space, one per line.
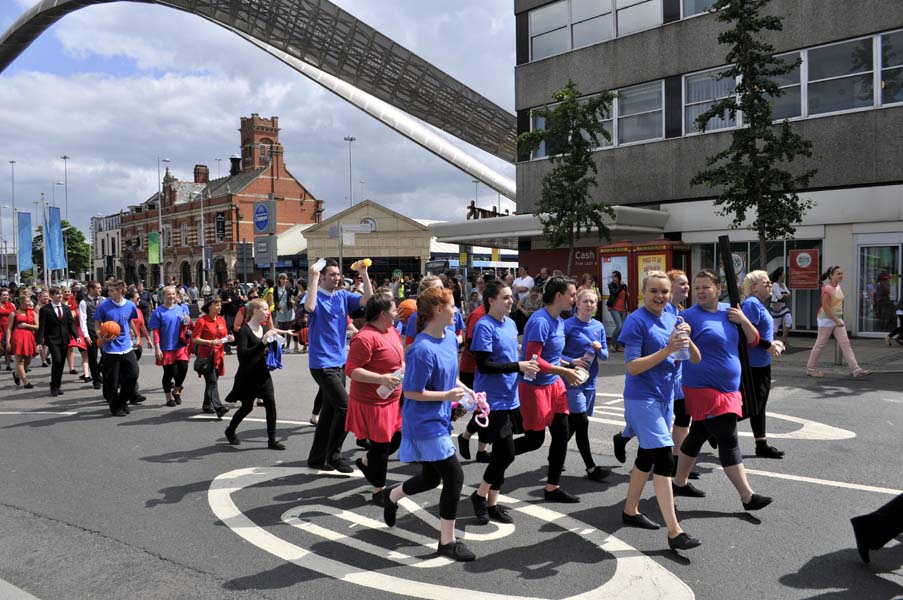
749,175
78,248
573,128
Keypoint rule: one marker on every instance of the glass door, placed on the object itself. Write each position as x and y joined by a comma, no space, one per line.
878,288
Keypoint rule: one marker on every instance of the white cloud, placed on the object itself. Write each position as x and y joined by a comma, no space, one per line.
187,82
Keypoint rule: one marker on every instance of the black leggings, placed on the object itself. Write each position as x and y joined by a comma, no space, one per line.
378,459
449,473
264,392
532,440
501,458
724,429
681,418
899,329
318,403
578,425
658,460
762,385
176,371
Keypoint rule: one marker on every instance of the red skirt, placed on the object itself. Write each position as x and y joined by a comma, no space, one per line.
702,403
172,356
540,404
374,422
22,342
78,342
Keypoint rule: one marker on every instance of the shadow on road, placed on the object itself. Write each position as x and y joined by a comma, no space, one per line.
841,574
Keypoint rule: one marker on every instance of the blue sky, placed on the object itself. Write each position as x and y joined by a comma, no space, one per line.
116,85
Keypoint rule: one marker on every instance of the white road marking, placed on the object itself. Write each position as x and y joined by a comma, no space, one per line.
65,413
894,400
827,482
635,573
606,395
810,430
254,420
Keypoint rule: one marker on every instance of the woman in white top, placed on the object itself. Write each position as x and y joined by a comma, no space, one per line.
830,320
780,304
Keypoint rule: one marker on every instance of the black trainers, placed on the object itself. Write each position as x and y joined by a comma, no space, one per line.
233,438
859,531
363,468
483,456
480,510
342,466
639,520
500,513
222,410
456,551
170,403
766,451
688,491
378,498
390,509
274,445
464,447
598,474
756,502
559,495
119,413
683,541
365,444
620,444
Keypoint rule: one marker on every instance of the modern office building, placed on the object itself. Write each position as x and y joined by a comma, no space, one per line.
662,58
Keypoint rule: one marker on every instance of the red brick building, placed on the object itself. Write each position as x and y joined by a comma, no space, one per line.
227,204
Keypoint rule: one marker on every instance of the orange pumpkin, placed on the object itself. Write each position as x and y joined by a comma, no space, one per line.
110,329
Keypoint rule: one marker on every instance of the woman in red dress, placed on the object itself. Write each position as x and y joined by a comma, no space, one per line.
210,333
20,338
76,343
375,364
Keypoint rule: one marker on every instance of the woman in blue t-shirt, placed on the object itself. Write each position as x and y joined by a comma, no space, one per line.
430,386
650,336
711,389
167,324
494,346
757,289
584,347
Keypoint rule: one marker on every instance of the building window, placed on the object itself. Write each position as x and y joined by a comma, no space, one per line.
167,236
840,77
636,15
592,21
696,7
892,67
788,105
701,92
639,113
549,30
183,233
551,145
103,247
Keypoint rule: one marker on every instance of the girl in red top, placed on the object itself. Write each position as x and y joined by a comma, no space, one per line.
7,308
210,333
75,343
617,307
20,338
375,362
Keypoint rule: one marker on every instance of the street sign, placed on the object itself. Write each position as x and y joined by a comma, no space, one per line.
264,217
264,249
347,238
360,228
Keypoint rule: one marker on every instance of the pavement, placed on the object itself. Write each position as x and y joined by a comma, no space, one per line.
156,505
871,353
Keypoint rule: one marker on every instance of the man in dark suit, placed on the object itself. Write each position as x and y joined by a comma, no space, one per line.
55,325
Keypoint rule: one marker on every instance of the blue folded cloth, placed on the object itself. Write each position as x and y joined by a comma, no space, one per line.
274,356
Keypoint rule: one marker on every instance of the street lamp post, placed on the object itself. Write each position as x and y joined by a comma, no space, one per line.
350,139
12,166
362,182
66,253
160,217
203,243
218,161
53,196
66,158
4,259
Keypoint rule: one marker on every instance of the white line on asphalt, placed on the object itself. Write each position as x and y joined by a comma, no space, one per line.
254,420
606,395
634,571
610,402
10,592
827,482
65,413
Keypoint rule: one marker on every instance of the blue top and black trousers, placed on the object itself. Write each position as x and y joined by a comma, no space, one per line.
328,325
120,367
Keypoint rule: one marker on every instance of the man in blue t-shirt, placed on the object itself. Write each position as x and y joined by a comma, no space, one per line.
120,367
327,306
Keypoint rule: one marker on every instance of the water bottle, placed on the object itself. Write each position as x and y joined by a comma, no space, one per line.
468,402
531,376
384,391
683,353
589,356
318,266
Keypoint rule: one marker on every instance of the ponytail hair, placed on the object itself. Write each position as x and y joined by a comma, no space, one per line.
429,301
827,274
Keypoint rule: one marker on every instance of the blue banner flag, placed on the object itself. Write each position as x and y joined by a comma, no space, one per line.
56,257
24,259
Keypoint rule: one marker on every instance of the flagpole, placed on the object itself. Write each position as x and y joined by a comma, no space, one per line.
44,216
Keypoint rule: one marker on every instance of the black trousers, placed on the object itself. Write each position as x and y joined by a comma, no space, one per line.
120,375
724,429
58,362
95,360
330,434
884,524
578,425
532,440
449,473
378,459
265,392
762,385
211,389
175,372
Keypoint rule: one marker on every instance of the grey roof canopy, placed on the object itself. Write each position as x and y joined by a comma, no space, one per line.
323,35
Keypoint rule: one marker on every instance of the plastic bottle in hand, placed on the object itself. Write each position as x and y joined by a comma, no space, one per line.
384,391
318,266
531,376
683,353
588,357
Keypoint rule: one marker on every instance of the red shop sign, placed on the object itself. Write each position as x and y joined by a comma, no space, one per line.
804,272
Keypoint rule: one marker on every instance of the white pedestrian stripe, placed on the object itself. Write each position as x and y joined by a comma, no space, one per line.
254,420
64,413
636,575
826,482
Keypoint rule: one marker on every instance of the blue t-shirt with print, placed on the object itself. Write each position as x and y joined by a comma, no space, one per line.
122,314
168,321
328,327
541,327
578,335
717,339
431,364
499,338
644,334
761,318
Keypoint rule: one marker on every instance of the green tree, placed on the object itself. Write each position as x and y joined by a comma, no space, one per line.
750,175
573,128
77,247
